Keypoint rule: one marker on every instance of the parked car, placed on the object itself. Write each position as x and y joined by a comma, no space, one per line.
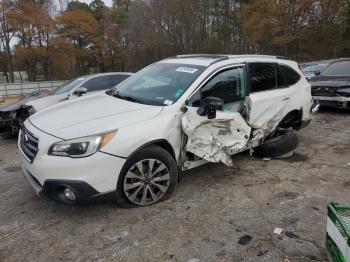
129,143
13,115
315,68
332,86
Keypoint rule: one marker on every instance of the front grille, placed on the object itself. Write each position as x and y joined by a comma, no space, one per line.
28,144
323,91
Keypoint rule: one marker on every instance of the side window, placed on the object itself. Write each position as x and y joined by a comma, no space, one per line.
281,81
291,77
97,84
116,79
262,77
229,85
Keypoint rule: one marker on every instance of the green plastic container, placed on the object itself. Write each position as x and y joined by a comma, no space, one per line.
338,232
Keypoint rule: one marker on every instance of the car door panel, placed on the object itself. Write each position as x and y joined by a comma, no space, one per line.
215,140
262,109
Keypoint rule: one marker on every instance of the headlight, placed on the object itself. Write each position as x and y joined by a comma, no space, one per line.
81,147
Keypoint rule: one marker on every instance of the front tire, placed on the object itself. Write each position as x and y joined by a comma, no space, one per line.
148,177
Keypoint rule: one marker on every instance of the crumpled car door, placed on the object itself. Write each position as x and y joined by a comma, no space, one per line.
215,140
263,115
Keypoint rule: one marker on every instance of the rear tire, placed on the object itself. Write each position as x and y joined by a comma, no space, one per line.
148,177
284,142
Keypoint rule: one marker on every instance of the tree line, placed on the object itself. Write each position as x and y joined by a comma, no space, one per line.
61,39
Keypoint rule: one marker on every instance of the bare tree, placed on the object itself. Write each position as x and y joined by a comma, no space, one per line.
7,32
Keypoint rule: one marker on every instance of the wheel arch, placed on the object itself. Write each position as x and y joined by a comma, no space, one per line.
293,119
163,143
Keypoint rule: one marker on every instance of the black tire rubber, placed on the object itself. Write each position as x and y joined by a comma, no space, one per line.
155,152
284,142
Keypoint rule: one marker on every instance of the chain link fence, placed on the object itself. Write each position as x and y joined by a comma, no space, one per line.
15,89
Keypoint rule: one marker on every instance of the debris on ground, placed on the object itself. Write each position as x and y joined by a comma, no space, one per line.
245,240
262,252
292,235
278,231
194,260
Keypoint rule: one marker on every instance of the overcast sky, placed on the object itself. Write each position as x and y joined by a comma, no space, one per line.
107,2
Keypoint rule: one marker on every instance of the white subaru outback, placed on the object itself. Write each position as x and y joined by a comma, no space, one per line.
131,142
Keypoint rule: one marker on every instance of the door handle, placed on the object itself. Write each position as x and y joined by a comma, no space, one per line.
286,98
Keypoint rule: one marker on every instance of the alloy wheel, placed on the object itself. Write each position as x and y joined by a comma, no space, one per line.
146,182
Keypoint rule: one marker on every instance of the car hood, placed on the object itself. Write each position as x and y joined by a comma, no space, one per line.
18,104
90,115
330,81
45,102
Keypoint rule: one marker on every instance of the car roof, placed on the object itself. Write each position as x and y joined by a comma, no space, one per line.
210,59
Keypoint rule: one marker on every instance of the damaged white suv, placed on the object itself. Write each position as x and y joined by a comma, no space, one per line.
130,143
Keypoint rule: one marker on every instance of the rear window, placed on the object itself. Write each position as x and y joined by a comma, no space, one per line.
290,76
341,68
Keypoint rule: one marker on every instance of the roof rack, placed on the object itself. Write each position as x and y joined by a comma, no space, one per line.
216,58
201,55
221,57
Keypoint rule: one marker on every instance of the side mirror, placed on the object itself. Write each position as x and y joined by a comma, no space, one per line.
80,91
209,106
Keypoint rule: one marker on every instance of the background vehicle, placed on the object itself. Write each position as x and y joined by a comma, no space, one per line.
13,115
178,113
332,86
313,69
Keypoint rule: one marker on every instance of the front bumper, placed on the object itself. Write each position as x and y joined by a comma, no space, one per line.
338,101
91,178
8,124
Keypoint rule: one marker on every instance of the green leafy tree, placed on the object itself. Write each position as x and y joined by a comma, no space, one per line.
78,5
97,7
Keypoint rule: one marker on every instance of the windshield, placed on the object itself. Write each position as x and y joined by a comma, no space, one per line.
341,68
67,87
314,68
158,84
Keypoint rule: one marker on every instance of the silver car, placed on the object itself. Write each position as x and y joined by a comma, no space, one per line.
13,115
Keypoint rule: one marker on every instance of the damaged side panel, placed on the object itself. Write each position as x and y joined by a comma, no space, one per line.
264,117
12,119
215,140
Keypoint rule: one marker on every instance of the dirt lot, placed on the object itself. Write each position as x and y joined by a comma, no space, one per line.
213,207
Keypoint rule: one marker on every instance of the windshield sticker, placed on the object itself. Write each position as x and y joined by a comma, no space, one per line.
168,102
188,70
179,92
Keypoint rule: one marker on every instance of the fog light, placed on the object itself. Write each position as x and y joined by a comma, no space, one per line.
69,194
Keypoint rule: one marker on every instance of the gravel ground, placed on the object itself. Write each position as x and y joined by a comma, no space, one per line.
212,208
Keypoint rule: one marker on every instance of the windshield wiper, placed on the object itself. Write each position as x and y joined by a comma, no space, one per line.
129,98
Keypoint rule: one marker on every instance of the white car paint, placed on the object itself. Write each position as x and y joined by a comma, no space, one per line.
93,114
47,101
139,124
84,169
